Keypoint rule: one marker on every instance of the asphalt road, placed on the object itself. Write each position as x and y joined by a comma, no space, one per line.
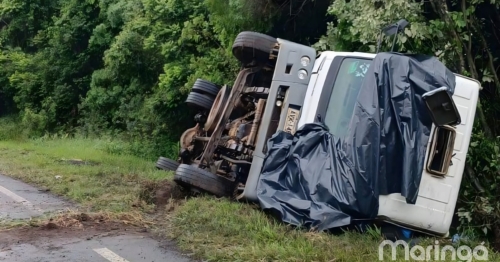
21,201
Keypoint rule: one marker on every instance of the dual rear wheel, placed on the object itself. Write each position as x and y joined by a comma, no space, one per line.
250,48
202,95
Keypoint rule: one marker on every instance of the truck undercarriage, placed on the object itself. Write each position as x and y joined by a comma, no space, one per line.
233,123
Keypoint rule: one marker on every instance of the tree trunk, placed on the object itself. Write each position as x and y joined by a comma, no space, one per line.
441,8
496,235
482,120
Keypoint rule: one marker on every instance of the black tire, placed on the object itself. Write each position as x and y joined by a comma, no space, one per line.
205,87
200,101
194,177
167,164
252,46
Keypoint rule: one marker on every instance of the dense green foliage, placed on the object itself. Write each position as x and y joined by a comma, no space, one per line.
123,68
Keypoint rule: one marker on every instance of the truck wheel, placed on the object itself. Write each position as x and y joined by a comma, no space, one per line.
252,46
166,164
201,101
205,87
194,177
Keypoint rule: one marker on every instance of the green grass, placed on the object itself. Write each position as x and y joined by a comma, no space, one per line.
104,182
211,229
220,230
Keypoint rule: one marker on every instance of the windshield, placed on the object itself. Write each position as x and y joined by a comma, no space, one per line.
344,95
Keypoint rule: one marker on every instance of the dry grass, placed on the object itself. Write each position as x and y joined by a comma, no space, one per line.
77,219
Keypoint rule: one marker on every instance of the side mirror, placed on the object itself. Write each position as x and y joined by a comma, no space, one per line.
443,110
391,30
395,28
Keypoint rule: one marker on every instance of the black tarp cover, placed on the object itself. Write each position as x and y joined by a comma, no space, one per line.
316,180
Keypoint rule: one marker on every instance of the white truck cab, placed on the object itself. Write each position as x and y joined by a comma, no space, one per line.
332,92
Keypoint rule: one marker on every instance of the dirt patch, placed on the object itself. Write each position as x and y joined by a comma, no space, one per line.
163,194
50,226
85,221
79,225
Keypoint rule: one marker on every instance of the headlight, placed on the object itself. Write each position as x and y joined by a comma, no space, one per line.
302,74
304,61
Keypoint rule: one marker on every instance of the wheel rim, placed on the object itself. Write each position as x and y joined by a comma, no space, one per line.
187,137
216,111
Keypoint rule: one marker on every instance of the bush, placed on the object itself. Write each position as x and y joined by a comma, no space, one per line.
479,210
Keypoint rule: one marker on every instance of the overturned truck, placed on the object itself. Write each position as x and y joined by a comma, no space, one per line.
323,141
